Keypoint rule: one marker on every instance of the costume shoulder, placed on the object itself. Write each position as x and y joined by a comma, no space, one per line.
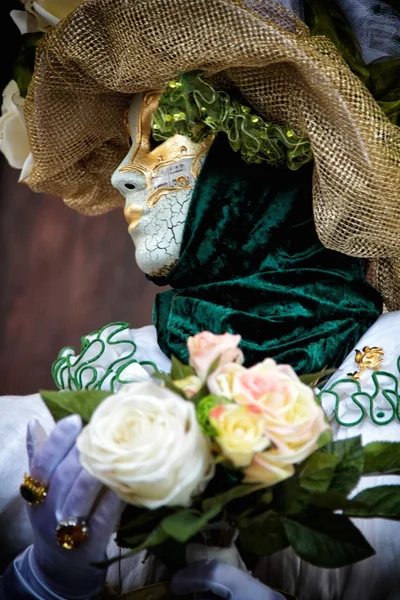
363,395
110,357
364,403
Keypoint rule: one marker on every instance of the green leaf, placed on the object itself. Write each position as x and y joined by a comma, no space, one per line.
130,541
333,501
382,501
317,471
325,438
351,463
82,402
202,393
23,66
312,379
183,525
239,491
264,534
327,540
382,457
290,498
172,554
156,537
22,75
138,521
170,384
267,497
213,367
179,370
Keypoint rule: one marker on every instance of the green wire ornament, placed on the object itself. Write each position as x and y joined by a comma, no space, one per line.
190,106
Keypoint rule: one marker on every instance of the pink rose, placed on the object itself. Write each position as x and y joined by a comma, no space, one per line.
205,348
267,383
292,419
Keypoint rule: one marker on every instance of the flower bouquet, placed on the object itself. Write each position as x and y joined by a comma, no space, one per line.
218,455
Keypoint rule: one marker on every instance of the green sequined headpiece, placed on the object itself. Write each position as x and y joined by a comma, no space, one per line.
192,107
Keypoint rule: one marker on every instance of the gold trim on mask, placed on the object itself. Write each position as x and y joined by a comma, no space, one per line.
132,214
148,162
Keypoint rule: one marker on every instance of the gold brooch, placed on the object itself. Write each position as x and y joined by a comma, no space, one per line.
369,358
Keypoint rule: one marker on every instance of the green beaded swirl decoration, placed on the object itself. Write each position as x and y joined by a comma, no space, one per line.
190,106
106,361
352,402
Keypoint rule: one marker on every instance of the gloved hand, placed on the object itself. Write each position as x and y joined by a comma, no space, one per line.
222,580
51,570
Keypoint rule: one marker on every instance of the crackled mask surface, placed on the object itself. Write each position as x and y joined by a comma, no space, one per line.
157,184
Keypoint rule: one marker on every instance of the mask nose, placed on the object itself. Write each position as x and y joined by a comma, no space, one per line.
128,181
132,213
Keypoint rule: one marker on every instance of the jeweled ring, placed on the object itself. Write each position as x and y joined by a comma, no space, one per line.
33,490
71,532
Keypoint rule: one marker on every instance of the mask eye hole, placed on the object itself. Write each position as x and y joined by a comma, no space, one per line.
130,186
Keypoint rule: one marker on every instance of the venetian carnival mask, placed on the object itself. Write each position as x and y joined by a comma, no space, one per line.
157,185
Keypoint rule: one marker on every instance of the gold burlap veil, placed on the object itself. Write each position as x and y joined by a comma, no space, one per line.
89,66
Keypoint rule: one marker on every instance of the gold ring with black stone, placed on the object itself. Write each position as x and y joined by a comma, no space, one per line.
71,532
33,490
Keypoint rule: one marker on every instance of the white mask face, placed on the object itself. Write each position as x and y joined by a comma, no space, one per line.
157,186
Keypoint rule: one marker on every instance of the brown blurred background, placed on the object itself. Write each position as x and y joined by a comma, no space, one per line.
62,275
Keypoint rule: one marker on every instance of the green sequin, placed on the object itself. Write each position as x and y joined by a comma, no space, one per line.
190,106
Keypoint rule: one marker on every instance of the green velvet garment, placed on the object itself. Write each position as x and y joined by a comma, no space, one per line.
251,263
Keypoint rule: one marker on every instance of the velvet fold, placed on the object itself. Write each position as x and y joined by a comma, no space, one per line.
251,263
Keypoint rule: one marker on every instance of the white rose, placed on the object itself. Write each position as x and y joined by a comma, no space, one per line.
14,143
145,443
42,14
